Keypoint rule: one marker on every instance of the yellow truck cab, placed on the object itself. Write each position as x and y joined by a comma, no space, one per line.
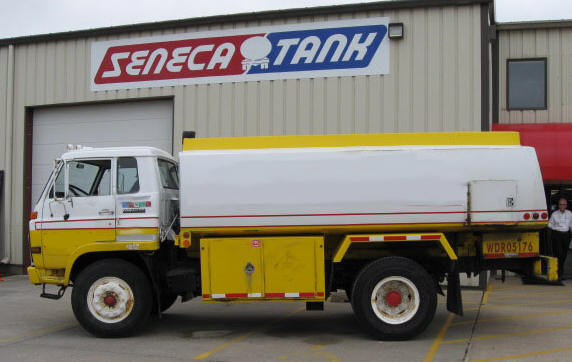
255,219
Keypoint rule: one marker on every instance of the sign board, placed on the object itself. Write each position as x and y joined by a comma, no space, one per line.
322,49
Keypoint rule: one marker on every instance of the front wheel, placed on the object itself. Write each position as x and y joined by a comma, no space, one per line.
394,298
111,298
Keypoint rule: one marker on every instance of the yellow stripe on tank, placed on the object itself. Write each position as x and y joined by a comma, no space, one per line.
349,140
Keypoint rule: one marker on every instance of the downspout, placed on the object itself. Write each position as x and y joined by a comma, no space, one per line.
8,159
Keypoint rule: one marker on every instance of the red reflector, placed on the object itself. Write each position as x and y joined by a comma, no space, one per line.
147,203
535,216
395,238
34,215
526,216
430,237
545,215
274,295
360,238
206,295
236,295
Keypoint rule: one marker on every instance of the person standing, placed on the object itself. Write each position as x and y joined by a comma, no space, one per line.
560,223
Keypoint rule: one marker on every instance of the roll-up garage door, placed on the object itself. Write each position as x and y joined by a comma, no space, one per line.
142,123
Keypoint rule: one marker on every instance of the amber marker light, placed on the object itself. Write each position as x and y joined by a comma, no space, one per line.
34,215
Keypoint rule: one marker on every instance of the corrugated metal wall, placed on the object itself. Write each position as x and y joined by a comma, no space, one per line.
4,137
433,85
554,44
3,100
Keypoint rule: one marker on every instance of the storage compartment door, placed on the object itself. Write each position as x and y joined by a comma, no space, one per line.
235,268
492,202
294,267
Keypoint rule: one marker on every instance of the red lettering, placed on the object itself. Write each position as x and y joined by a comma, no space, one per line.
205,57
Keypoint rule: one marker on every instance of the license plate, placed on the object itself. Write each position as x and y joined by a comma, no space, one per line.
521,245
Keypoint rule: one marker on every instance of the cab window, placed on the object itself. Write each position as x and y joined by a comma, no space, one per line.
89,178
127,175
169,176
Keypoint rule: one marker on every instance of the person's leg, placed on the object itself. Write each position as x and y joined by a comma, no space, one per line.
563,253
557,238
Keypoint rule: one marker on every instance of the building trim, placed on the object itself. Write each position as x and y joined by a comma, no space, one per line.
485,68
495,78
27,185
242,17
530,25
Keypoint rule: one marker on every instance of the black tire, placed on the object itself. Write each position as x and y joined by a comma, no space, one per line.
118,274
167,301
405,321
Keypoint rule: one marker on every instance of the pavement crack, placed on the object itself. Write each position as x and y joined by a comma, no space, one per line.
474,326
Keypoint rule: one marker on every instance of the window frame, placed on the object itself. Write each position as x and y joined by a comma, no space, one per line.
545,61
97,180
161,177
116,167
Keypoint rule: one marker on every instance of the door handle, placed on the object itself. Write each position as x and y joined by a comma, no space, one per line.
105,212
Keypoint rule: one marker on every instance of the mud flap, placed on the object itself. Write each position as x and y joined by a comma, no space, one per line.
454,301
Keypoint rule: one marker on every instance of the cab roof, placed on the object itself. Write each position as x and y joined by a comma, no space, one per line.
116,152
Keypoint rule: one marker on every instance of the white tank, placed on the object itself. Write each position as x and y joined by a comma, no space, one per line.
361,189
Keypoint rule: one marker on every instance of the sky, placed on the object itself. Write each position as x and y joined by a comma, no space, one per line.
29,17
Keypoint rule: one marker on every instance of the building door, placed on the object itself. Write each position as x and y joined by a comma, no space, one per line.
141,123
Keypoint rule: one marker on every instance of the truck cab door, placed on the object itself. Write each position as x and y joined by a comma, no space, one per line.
137,209
79,209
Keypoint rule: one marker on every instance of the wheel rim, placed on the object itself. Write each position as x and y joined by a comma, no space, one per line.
395,300
110,299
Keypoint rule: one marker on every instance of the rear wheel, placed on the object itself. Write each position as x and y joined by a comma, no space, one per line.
394,298
111,298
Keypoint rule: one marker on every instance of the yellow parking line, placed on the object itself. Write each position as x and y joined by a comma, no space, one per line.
486,294
37,333
243,336
437,342
527,287
529,294
223,346
523,304
521,316
492,336
522,355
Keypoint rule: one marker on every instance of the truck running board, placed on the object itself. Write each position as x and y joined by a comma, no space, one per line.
60,294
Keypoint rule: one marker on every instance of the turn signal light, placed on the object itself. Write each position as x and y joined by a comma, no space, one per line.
526,216
34,215
544,215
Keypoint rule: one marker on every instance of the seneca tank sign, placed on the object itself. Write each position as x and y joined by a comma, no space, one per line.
333,48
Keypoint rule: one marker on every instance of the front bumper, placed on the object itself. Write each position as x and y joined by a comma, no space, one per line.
33,275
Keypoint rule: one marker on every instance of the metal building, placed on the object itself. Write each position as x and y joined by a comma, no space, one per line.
533,71
430,69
